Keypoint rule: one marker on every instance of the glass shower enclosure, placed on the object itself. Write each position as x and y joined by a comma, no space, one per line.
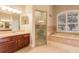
40,27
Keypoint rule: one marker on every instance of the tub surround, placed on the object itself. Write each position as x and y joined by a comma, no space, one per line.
67,36
68,39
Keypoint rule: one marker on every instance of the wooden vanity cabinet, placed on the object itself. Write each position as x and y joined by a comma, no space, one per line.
26,40
23,40
13,43
8,45
19,41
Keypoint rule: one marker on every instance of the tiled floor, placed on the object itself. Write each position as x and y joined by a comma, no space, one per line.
52,47
40,49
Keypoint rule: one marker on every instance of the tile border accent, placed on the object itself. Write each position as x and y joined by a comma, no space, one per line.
67,41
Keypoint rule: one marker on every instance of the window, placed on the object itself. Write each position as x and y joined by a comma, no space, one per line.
68,21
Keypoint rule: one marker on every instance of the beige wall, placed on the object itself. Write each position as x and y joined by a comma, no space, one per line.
60,8
27,12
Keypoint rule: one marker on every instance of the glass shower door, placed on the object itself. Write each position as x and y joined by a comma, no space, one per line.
40,28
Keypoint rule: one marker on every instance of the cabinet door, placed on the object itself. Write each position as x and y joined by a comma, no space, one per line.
20,41
3,40
23,40
26,39
3,45
11,46
8,46
2,48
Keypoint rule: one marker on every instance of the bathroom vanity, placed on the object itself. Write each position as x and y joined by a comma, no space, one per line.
11,42
13,33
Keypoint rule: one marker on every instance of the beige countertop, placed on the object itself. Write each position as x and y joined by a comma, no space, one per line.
10,33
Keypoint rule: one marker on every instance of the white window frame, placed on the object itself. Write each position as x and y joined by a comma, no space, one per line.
66,12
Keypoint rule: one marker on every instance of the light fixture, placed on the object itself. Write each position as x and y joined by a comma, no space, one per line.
14,10
10,9
6,20
18,11
4,8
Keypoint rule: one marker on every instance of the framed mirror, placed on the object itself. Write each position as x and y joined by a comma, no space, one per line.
24,20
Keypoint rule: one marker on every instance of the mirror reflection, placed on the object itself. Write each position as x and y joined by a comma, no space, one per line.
9,21
5,21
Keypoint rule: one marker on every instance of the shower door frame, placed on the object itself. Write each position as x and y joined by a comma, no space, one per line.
46,25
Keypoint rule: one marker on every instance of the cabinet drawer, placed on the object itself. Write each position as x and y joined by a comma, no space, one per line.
5,40
26,35
12,46
20,43
8,46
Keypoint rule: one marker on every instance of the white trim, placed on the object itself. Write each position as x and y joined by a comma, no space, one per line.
66,12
